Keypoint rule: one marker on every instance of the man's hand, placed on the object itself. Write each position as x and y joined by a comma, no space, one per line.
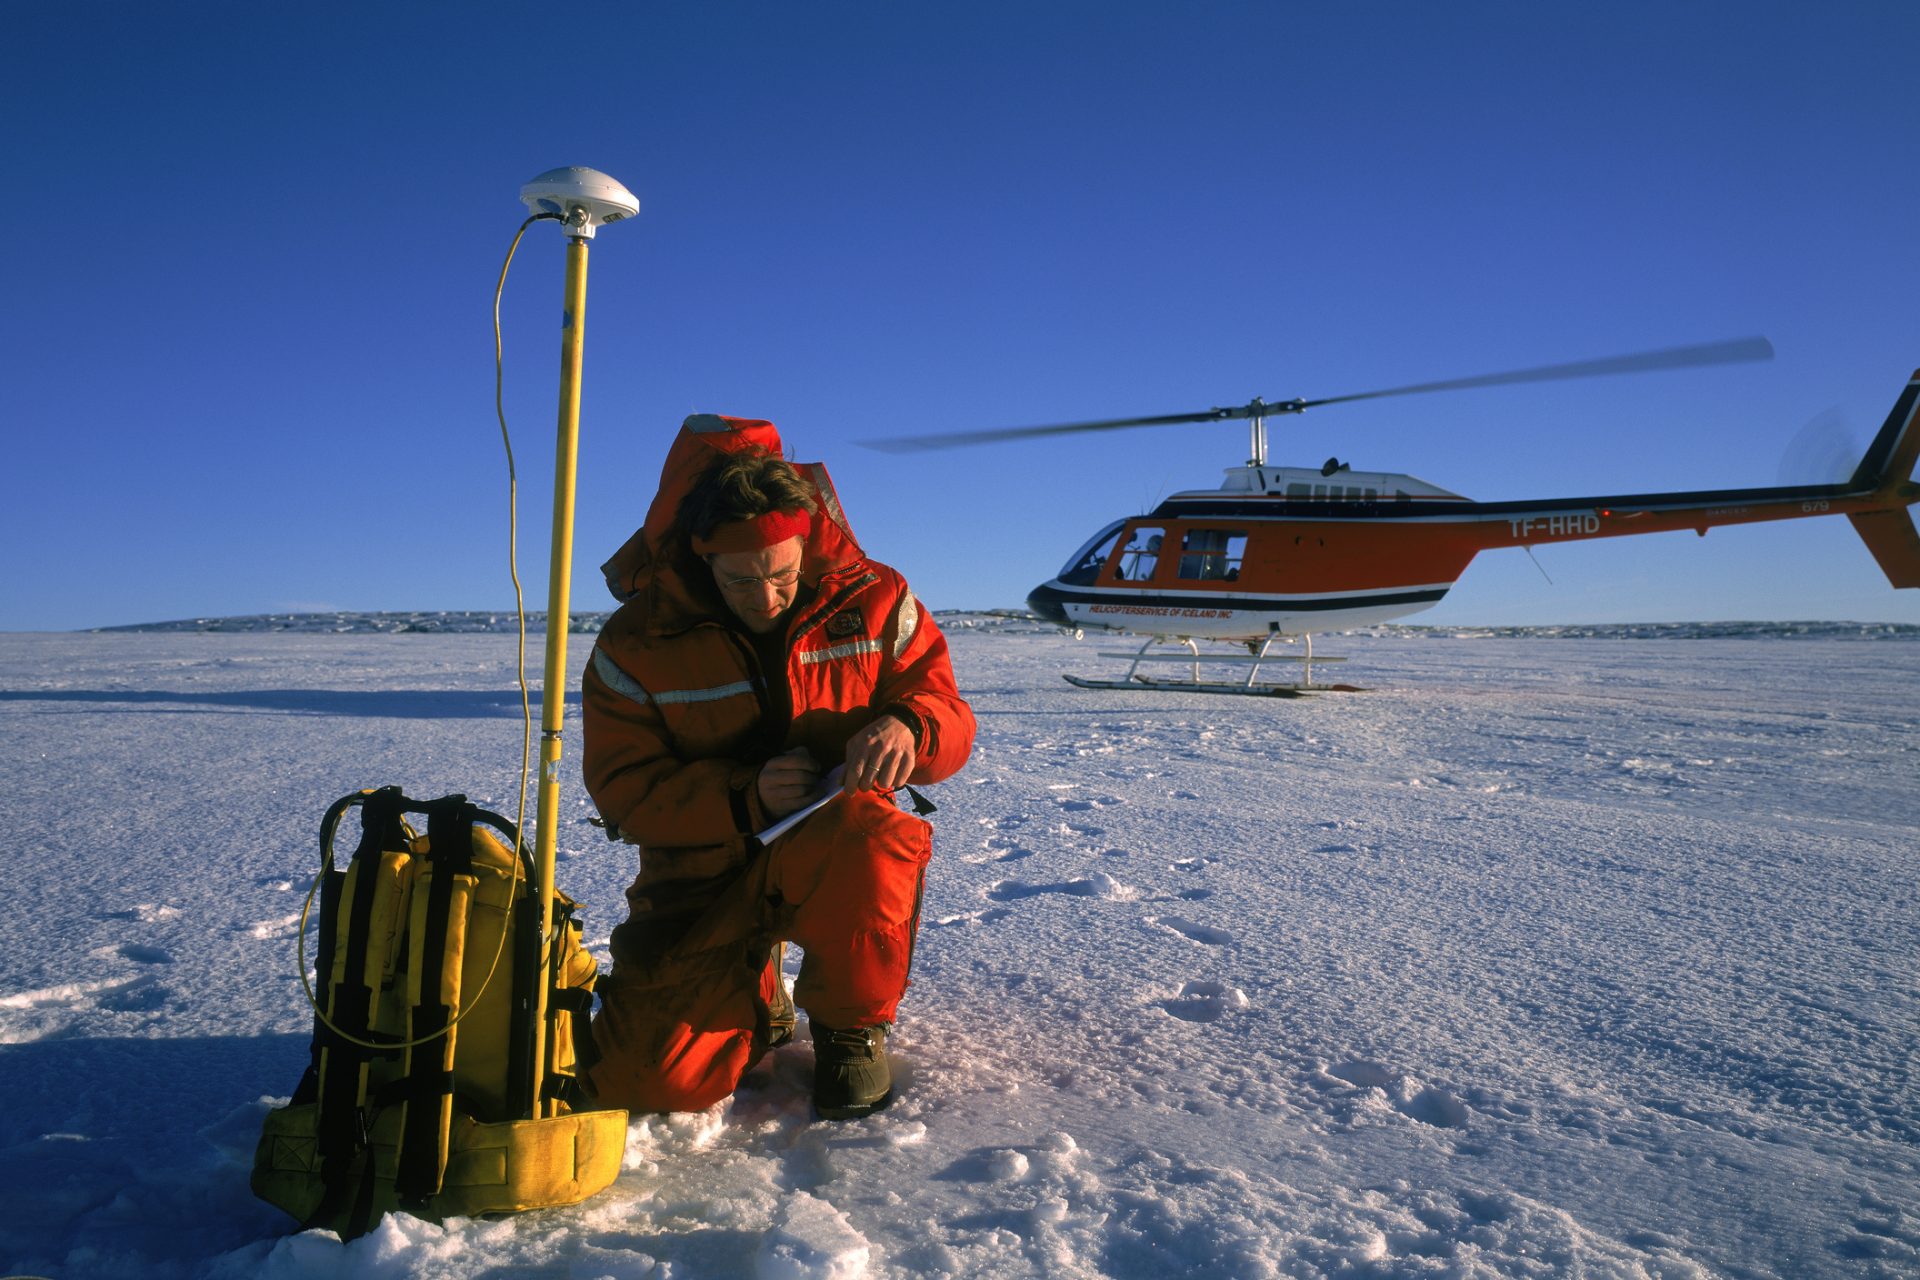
787,781
879,757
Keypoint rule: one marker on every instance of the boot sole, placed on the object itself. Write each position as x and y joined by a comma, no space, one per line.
855,1111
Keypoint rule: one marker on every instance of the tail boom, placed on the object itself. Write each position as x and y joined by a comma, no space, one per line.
1875,499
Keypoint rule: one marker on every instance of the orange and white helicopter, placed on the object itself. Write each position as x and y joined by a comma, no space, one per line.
1282,552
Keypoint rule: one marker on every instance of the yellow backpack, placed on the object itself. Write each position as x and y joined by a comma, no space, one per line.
420,1093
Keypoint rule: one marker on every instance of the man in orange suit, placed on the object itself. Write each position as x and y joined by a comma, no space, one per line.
757,649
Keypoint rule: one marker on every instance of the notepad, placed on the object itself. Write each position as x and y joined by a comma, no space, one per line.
830,787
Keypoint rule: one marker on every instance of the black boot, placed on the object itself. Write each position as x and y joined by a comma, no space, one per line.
851,1077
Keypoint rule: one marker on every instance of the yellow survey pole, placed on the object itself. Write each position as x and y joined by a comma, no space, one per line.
553,687
582,200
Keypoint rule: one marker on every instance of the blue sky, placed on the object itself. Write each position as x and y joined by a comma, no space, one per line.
244,315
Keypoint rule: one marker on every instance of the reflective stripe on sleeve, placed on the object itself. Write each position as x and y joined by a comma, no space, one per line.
617,680
714,694
851,650
627,687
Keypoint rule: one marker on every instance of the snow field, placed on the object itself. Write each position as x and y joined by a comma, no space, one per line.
1541,957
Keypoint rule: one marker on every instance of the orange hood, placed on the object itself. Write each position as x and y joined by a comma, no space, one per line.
657,553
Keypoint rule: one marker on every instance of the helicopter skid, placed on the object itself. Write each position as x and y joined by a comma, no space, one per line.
1251,686
1244,659
1149,684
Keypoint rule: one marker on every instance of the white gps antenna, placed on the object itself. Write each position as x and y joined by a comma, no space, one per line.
584,199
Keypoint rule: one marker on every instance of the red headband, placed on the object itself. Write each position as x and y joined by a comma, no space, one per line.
752,535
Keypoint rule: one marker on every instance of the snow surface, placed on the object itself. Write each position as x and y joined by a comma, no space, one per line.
1542,957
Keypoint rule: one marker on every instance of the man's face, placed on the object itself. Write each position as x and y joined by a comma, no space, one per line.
759,586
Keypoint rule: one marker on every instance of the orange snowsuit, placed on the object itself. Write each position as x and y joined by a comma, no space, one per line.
679,716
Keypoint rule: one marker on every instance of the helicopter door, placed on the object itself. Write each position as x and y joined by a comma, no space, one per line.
1084,566
1212,555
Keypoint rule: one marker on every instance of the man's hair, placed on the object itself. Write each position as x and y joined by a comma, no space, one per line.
743,486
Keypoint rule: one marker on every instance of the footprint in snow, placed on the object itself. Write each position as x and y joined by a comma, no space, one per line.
278,927
1086,803
1097,885
1881,1230
1205,1002
1000,849
144,913
50,1011
969,919
1183,795
1193,864
1366,1075
988,1165
1436,1107
142,995
1410,1097
66,995
139,954
1190,930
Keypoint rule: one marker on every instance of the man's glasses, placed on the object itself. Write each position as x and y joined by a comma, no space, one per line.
782,579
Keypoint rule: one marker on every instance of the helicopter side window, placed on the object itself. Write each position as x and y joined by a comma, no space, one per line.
1212,555
1085,564
1141,556
1324,491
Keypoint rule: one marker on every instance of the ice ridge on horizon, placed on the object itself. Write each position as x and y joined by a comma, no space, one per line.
1009,621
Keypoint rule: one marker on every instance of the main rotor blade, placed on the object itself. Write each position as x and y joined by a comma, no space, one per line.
956,439
1733,352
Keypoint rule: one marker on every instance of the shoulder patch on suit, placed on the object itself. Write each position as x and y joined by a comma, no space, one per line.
906,624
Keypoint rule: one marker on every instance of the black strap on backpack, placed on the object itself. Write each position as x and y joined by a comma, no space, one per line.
430,1074
343,1119
577,1001
526,976
333,882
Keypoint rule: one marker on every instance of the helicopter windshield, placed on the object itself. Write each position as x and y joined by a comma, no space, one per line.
1084,565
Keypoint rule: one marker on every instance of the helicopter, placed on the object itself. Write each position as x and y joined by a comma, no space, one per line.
1277,553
